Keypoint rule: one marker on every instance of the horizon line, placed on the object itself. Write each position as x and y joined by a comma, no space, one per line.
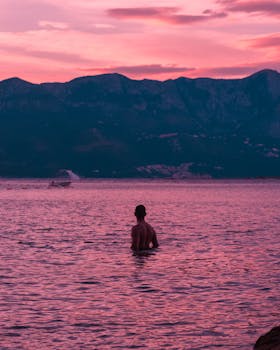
135,79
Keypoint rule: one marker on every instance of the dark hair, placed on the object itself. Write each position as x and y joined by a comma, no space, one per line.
140,211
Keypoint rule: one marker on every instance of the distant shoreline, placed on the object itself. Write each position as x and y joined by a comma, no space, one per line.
193,179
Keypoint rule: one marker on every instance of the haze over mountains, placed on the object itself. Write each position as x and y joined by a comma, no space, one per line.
109,125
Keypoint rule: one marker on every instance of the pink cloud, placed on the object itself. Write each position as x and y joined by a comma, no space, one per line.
23,15
141,12
266,41
236,71
140,70
271,8
188,19
32,15
165,14
44,54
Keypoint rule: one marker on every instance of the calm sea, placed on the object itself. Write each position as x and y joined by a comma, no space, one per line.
68,279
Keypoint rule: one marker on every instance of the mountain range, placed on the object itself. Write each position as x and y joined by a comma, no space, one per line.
112,126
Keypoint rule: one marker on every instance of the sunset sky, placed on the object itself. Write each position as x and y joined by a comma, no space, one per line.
58,40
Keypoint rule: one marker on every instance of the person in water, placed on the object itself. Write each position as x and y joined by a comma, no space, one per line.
143,235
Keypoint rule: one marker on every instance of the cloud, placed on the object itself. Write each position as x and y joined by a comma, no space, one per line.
142,12
230,71
271,8
141,69
53,25
32,15
19,15
164,14
266,41
45,54
238,70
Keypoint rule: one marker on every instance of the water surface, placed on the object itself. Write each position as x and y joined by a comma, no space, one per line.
68,279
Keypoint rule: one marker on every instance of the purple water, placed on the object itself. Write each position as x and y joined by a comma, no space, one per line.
68,279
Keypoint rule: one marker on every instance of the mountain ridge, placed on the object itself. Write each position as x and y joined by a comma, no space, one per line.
110,125
260,72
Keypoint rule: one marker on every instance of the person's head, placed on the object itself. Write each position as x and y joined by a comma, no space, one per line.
140,212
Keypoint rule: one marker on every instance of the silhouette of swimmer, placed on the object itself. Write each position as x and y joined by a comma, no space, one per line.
143,235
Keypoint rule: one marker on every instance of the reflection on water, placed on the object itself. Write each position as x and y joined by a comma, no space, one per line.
68,279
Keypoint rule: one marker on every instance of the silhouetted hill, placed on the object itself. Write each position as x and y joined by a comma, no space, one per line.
109,125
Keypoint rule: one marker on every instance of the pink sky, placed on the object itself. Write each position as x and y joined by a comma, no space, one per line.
58,40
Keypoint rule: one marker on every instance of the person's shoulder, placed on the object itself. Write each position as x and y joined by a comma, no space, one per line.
135,228
150,226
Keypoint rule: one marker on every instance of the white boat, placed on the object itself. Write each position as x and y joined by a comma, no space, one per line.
60,183
65,178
